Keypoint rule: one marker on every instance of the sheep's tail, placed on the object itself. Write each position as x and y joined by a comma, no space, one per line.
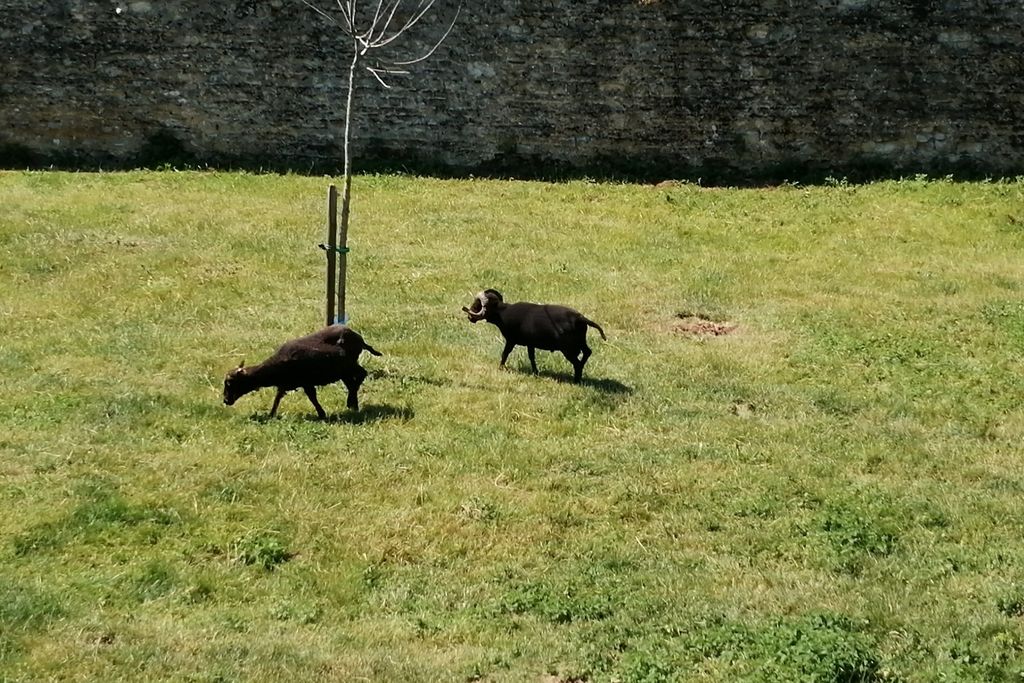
596,327
372,350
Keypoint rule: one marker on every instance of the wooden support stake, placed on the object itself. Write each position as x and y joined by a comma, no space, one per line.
332,251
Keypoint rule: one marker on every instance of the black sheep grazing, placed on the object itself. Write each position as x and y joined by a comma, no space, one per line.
324,357
536,326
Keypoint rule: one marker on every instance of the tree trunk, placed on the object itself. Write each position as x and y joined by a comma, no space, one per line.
346,190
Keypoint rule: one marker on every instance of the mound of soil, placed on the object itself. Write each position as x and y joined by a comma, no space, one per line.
697,326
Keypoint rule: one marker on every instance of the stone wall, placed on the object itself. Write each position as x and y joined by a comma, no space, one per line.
657,88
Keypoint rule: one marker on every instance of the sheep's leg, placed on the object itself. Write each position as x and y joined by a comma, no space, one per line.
352,384
577,363
531,352
277,400
311,394
509,345
583,361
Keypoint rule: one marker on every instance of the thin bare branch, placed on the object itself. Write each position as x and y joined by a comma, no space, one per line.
347,15
393,8
319,11
363,36
376,35
386,69
376,12
352,13
379,79
382,10
379,73
436,45
381,42
381,29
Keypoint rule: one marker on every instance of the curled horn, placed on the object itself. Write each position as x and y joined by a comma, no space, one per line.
478,310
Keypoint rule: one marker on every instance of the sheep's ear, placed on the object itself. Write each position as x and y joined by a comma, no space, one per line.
241,364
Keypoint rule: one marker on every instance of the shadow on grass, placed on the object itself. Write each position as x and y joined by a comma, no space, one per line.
404,378
608,386
369,413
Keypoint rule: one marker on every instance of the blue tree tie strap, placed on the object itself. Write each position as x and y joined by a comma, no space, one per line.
340,250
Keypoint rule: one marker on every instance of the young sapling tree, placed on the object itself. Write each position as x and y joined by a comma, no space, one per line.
373,32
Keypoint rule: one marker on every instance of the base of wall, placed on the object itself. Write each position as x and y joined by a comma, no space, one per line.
165,152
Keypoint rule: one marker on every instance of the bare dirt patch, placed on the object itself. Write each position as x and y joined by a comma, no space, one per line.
701,327
745,410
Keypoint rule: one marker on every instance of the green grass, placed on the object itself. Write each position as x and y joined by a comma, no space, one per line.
833,492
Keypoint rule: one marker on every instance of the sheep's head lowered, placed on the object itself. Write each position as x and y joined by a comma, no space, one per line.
484,303
324,357
236,385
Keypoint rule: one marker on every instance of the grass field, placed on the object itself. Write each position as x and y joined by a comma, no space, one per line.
832,492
